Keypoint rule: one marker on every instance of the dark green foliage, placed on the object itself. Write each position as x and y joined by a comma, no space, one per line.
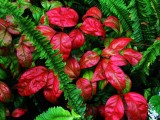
2,111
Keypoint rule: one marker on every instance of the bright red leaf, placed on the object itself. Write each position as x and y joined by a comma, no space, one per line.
32,80
18,112
89,59
52,89
46,31
88,88
112,22
119,44
132,56
118,60
62,42
72,68
137,107
107,52
77,38
63,17
5,93
114,109
92,26
93,12
116,77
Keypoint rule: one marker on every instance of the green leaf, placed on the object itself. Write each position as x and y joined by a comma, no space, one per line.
50,5
2,112
154,101
88,75
3,74
57,113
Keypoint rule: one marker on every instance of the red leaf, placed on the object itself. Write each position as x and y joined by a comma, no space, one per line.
93,12
3,23
32,80
5,93
63,17
116,77
51,90
118,60
46,31
132,56
119,44
99,73
77,38
62,42
89,59
92,26
137,107
72,68
101,110
107,52
24,55
88,88
112,22
91,110
114,109
18,112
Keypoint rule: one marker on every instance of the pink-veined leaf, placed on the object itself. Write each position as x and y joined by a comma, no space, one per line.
112,22
92,26
62,17
137,107
114,109
132,56
107,52
46,31
72,68
118,60
77,38
24,55
88,88
62,42
93,12
5,93
99,73
89,59
119,44
115,76
52,88
32,80
18,112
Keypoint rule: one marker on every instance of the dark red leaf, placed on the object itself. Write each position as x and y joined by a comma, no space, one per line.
77,38
72,68
114,109
18,112
91,110
137,107
107,52
88,88
119,44
89,59
63,17
3,23
99,73
101,110
5,93
62,42
52,89
32,80
93,12
46,31
116,77
132,56
118,60
24,55
112,22
92,26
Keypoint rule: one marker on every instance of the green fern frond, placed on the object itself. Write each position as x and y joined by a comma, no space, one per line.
45,51
119,9
149,56
58,113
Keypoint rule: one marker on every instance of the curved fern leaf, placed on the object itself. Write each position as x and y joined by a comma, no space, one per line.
57,113
149,56
45,51
154,102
